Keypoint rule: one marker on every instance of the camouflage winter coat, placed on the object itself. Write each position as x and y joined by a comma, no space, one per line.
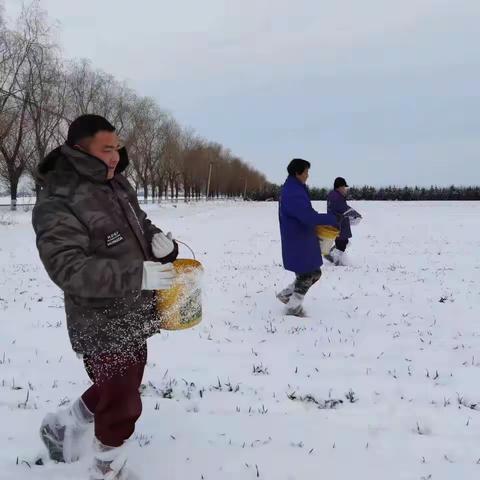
93,238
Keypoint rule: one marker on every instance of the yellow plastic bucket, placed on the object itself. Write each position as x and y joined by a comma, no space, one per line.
326,235
180,307
327,232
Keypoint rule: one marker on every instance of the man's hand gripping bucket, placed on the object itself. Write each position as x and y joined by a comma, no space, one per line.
180,307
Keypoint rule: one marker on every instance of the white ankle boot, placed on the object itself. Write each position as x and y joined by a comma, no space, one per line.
339,258
64,432
286,293
110,463
295,305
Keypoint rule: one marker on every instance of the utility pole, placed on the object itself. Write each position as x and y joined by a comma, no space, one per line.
245,191
209,179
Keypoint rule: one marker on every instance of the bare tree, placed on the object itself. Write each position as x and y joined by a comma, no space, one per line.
190,149
94,91
13,129
83,86
171,153
145,140
47,107
19,49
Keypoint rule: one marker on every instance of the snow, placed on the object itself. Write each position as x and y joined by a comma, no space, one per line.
251,390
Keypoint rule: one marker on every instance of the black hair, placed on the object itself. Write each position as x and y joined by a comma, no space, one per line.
297,166
87,126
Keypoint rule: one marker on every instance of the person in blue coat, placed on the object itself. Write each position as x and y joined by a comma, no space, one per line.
300,246
337,205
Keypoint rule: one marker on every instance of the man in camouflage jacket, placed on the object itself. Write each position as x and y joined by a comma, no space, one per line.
99,247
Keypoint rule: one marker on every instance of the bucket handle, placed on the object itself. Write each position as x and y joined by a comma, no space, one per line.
185,245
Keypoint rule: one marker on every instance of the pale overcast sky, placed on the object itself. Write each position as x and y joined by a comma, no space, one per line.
380,92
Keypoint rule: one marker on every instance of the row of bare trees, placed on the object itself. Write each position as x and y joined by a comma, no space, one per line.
40,93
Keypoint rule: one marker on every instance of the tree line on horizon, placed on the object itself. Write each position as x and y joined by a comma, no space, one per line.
272,192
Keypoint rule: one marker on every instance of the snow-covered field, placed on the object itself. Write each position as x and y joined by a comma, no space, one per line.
392,343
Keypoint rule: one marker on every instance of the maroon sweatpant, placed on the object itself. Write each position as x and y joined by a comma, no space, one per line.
114,397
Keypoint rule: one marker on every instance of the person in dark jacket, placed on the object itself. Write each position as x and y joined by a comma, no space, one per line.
300,246
99,247
337,205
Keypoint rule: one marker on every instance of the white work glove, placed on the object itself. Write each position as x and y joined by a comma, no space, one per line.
162,245
157,276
